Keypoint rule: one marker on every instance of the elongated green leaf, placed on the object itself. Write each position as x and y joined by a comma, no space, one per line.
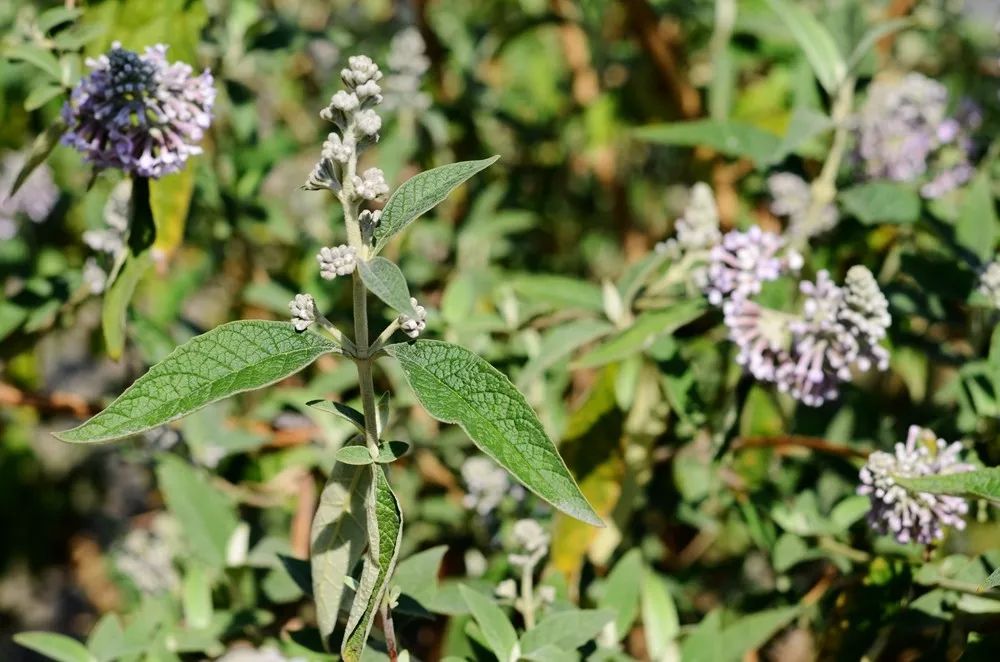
646,328
422,192
55,646
114,307
41,95
872,37
229,359
417,579
752,631
979,484
40,58
40,150
559,291
730,137
992,581
804,125
339,539
339,409
207,516
815,41
566,630
387,282
881,202
622,591
197,597
108,640
493,623
558,343
659,616
978,226
385,529
456,386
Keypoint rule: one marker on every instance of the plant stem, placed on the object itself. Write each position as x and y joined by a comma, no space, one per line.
364,363
390,633
528,595
824,187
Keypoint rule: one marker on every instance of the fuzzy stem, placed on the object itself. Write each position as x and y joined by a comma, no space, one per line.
364,363
528,595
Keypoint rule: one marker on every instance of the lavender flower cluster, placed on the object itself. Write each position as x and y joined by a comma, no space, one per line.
139,113
807,354
905,134
913,516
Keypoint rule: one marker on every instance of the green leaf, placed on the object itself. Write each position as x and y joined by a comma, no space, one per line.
108,640
647,327
387,282
495,625
559,291
622,591
42,95
978,484
388,452
54,646
339,538
815,41
881,202
300,572
991,582
230,359
566,630
420,193
551,654
207,516
730,137
456,386
978,227
56,16
385,530
39,58
417,579
339,409
754,630
872,37
804,125
40,150
114,307
560,342
169,201
659,616
197,597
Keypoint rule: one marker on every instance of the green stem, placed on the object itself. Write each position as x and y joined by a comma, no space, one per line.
824,187
528,595
364,363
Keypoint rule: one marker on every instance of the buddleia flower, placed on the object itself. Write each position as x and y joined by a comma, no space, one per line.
906,515
138,112
743,261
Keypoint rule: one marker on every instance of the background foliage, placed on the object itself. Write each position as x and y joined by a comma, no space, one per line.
734,525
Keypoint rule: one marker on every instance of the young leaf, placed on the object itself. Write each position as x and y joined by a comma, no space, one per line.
206,515
114,307
196,598
559,291
55,646
815,41
420,193
385,530
339,538
230,359
752,631
387,282
39,58
566,630
388,452
346,412
873,36
456,386
42,95
495,625
730,137
804,125
978,484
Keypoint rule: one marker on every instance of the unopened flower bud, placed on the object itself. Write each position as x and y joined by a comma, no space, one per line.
303,309
337,261
371,185
413,326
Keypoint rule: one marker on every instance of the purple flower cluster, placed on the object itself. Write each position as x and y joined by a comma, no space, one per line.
809,353
913,516
905,134
139,113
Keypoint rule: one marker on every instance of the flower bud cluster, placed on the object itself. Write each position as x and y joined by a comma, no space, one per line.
486,482
530,543
303,310
905,134
414,326
408,63
337,261
743,261
913,516
357,125
139,113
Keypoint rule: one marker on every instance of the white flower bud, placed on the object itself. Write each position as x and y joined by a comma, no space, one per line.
506,590
360,69
368,122
337,261
413,326
303,309
346,102
334,149
371,185
369,90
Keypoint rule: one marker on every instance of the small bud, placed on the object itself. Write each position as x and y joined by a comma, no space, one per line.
334,149
506,590
337,261
371,185
345,102
368,122
413,326
303,309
